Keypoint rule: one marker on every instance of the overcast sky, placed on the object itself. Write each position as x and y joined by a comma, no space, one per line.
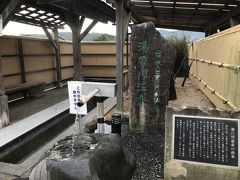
14,28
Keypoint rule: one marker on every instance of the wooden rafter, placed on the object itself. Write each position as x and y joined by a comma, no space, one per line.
87,30
9,10
222,18
174,13
18,10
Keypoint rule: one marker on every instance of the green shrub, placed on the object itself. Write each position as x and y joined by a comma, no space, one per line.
180,43
102,37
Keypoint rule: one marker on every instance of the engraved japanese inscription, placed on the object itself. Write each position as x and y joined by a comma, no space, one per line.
206,139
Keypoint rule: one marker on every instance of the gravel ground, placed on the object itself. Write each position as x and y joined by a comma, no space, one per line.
148,150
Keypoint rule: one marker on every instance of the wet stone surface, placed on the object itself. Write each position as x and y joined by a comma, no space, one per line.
148,150
94,156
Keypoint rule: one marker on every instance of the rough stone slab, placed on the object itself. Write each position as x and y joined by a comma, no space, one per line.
185,170
95,156
4,112
150,70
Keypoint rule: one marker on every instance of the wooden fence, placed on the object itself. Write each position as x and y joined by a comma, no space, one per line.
36,60
216,67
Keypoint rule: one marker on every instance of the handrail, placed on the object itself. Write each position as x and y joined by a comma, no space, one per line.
236,68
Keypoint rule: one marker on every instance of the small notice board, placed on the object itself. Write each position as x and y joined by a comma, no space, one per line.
206,139
75,94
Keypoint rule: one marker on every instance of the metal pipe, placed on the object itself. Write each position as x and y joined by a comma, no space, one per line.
213,91
219,64
100,115
88,97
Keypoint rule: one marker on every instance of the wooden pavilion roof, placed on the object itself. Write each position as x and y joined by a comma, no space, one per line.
195,15
52,13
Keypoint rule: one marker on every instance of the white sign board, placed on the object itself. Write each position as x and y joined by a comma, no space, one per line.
75,94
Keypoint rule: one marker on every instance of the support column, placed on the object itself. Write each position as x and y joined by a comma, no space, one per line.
56,45
119,54
77,57
58,58
22,65
21,58
4,112
76,24
122,21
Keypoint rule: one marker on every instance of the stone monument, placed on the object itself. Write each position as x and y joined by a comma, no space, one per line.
150,70
201,144
4,114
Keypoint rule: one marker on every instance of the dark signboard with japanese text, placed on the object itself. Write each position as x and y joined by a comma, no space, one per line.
206,139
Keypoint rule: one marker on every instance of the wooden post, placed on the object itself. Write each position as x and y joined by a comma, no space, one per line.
2,91
58,58
77,59
76,24
56,45
21,58
127,51
119,54
4,113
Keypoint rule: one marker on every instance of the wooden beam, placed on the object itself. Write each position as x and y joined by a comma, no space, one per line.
51,1
203,1
87,30
218,20
9,10
58,58
84,12
173,5
50,37
81,22
180,27
129,7
34,22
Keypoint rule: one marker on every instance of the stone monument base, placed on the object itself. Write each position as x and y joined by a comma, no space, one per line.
4,113
194,170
